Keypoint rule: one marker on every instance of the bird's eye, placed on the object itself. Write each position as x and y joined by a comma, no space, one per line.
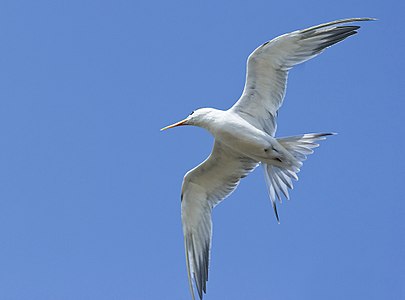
192,112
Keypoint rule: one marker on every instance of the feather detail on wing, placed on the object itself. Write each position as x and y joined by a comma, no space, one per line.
203,188
268,66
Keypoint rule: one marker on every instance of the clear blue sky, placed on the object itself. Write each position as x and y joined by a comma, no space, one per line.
90,189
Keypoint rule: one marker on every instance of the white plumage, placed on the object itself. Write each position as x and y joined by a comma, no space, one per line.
244,138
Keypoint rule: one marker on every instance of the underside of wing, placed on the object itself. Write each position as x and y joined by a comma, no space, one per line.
268,66
203,188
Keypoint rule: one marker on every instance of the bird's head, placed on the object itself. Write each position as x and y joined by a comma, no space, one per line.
200,117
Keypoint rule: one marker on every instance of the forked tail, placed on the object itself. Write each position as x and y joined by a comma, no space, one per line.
279,179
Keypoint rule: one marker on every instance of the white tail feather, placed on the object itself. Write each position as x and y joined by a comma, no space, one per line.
278,179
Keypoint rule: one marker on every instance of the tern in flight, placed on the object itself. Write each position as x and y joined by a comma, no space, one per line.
244,138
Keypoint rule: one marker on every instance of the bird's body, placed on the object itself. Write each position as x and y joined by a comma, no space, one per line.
238,134
244,138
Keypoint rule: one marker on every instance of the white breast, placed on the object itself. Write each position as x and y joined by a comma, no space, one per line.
241,136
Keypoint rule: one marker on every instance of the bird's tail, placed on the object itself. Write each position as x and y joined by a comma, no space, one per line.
279,178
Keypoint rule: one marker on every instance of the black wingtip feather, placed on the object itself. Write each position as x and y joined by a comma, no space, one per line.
336,39
200,267
199,279
337,35
275,212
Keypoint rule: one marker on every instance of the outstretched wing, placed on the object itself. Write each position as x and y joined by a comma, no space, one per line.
268,66
203,188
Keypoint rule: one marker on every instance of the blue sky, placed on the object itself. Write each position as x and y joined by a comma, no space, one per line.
90,189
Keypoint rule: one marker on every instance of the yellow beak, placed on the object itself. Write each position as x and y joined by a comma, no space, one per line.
175,125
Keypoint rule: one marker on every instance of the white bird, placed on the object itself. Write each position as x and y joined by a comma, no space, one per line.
244,138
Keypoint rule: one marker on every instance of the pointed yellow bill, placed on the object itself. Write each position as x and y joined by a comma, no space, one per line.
174,125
